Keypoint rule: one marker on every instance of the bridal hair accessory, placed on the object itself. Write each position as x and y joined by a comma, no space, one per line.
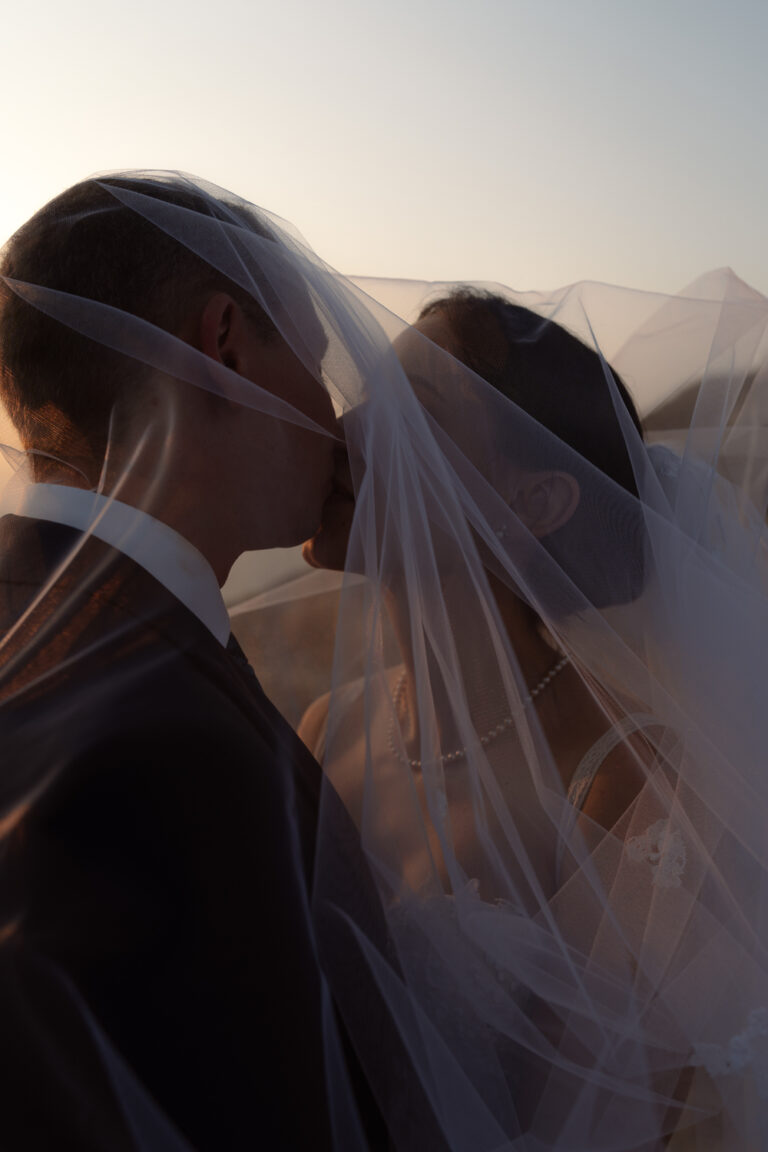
490,736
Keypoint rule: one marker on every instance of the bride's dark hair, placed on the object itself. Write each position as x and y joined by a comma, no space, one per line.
571,391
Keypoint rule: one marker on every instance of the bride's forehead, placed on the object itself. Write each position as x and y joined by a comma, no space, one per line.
428,356
417,346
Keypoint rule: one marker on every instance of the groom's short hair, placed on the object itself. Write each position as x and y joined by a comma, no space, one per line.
86,243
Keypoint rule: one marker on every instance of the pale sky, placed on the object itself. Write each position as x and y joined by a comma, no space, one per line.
532,142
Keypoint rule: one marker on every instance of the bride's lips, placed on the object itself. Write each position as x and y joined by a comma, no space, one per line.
328,547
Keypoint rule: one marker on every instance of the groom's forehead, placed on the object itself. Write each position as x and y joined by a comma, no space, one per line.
298,313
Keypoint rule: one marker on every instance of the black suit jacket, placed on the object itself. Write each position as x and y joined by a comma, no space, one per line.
156,867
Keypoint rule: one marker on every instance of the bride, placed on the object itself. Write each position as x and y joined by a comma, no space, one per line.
544,714
565,386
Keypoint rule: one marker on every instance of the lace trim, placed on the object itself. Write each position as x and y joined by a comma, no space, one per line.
592,761
664,849
746,1049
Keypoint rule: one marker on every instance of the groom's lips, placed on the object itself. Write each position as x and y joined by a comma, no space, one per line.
342,490
342,479
336,498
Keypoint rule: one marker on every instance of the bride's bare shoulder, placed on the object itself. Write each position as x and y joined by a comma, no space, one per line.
314,721
348,706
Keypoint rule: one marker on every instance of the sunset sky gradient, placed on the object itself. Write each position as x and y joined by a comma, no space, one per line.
532,142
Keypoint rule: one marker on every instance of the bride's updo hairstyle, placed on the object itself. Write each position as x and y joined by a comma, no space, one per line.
57,385
573,393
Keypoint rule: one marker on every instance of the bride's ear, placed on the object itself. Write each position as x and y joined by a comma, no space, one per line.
545,501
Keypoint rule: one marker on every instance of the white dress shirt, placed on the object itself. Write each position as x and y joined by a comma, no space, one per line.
160,550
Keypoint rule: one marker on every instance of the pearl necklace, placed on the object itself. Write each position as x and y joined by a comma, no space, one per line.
460,753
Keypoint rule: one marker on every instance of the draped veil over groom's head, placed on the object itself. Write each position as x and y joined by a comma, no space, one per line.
161,356
86,403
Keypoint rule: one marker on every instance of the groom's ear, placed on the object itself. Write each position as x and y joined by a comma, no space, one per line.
224,333
545,501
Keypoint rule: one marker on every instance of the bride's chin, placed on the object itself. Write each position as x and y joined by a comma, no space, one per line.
308,553
328,547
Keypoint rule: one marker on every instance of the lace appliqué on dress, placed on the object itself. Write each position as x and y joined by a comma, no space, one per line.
431,929
664,849
745,1049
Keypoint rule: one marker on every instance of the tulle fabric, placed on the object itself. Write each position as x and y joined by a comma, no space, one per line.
544,982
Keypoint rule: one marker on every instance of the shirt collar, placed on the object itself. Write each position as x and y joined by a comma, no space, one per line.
156,547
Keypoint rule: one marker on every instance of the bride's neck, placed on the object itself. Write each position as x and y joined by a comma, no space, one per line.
534,648
482,679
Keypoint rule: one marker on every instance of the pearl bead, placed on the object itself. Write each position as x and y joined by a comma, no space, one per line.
460,753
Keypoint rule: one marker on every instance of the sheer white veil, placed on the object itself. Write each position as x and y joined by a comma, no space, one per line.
552,976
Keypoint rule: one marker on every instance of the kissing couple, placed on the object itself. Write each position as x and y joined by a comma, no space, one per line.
496,918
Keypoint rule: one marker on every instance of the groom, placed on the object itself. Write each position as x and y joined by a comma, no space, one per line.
159,979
